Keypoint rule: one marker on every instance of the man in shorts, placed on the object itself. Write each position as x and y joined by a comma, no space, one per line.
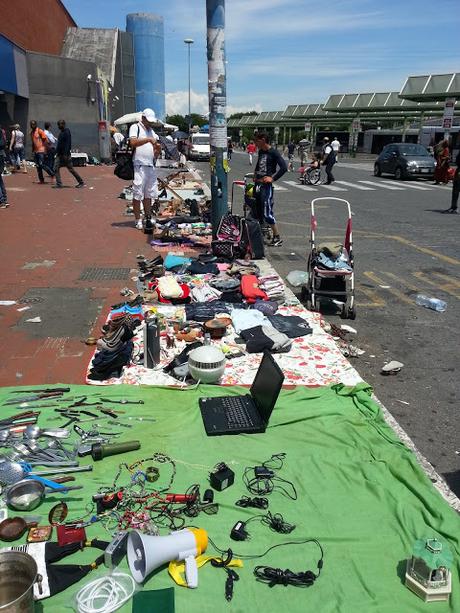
269,168
144,142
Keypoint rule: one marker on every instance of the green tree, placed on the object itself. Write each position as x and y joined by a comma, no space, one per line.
179,121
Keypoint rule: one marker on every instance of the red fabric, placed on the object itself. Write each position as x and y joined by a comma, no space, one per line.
251,290
185,293
348,235
441,173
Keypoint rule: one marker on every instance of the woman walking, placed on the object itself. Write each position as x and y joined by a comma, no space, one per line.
17,148
441,173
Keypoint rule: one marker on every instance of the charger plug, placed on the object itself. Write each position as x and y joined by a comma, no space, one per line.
239,532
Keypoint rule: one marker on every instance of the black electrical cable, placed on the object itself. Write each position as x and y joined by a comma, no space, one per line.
276,576
254,503
261,555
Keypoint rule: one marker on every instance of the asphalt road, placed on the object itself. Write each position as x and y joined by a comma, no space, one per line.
403,246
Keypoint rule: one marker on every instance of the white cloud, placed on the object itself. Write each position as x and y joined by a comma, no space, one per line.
177,103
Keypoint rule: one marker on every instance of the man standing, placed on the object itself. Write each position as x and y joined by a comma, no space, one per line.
251,149
455,188
328,159
336,147
269,168
143,140
290,152
52,141
39,149
63,155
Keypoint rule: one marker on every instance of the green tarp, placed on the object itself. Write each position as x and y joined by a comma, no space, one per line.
361,493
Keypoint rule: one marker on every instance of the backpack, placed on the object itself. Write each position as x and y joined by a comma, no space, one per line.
255,238
232,238
124,166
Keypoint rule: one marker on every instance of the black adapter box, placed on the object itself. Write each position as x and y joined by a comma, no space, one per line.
222,478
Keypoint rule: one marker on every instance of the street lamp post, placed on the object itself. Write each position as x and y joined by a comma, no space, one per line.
189,43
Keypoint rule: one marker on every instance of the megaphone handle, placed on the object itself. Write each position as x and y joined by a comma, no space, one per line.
191,571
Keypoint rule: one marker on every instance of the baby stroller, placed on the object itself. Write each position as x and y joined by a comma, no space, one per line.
330,272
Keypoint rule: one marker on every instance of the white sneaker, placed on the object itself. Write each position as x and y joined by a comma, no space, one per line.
139,225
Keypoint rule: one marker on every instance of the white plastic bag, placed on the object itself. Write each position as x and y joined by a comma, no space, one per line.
296,278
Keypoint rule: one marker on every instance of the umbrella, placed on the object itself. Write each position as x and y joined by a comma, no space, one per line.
179,135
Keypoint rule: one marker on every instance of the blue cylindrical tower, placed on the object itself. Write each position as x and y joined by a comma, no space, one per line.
149,60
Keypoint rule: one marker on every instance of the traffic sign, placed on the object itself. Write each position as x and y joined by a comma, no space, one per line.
277,130
307,126
447,123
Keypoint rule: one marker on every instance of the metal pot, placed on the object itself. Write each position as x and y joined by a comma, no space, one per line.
18,574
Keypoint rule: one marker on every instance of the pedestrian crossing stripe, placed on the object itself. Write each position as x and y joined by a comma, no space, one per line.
306,188
361,187
411,185
382,184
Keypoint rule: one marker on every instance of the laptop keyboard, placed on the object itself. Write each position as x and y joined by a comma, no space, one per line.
237,413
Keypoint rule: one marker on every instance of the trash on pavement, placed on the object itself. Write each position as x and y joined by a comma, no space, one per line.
348,328
391,368
7,302
296,278
34,320
431,303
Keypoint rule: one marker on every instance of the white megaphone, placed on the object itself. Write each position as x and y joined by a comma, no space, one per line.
145,553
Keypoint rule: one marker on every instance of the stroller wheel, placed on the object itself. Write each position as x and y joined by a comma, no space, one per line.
352,313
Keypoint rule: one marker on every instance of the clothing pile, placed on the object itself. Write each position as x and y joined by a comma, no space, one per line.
333,260
115,347
197,290
273,286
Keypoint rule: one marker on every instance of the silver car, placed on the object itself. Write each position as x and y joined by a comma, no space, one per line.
405,160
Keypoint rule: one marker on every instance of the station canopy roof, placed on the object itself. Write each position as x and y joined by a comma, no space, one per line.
431,88
377,102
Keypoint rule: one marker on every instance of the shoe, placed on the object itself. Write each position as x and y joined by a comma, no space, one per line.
4,205
276,242
114,341
57,186
78,185
139,225
451,210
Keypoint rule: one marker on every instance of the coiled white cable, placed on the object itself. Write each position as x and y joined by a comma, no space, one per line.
105,594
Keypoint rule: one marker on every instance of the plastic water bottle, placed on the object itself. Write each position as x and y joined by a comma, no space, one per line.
431,303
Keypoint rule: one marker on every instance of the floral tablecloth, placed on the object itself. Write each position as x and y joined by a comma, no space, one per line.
314,360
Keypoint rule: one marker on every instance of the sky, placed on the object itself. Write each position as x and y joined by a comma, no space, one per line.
282,52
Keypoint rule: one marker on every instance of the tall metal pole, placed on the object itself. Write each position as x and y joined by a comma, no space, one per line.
189,43
217,92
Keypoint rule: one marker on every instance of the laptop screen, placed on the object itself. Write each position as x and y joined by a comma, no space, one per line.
266,386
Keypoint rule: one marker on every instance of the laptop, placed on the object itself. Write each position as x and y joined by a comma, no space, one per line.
247,414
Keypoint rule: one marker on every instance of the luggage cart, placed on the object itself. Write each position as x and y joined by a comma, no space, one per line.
334,284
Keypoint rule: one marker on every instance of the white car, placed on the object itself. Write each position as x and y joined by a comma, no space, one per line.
199,148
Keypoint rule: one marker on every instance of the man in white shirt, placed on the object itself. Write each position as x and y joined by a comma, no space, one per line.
143,140
336,146
50,146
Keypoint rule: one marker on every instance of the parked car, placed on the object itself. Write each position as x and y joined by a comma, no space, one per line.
199,147
404,160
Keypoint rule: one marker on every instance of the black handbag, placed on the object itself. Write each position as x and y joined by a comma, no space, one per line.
124,167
